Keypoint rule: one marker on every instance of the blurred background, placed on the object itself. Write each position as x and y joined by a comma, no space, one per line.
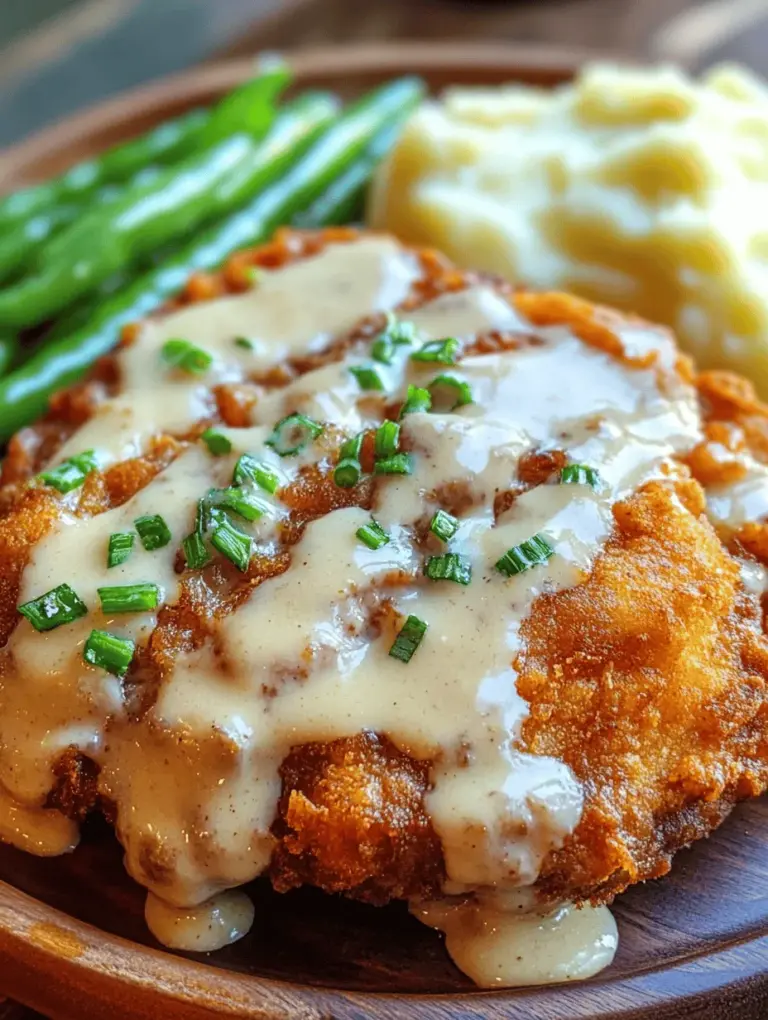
59,55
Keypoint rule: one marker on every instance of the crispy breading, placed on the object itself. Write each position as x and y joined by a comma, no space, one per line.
352,820
648,679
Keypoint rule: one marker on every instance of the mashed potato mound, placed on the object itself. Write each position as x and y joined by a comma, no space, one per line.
639,188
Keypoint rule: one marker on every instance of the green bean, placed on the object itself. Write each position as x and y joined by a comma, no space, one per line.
178,201
344,200
19,241
24,394
9,349
253,102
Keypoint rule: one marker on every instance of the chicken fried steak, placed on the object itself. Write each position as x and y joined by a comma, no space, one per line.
367,573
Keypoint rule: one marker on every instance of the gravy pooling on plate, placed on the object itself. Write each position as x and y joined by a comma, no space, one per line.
386,621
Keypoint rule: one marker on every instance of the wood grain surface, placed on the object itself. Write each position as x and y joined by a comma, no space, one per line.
693,946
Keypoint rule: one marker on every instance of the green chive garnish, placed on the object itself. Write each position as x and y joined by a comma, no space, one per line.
129,598
72,472
255,274
367,377
444,351
347,473
153,531
456,392
217,442
248,469
522,557
373,535
186,357
383,349
58,606
398,464
120,547
109,652
580,474
400,331
232,543
443,525
352,447
408,640
206,515
239,500
417,399
245,343
395,334
448,567
387,440
349,469
195,552
293,433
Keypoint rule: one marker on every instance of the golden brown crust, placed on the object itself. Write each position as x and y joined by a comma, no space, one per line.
352,820
649,679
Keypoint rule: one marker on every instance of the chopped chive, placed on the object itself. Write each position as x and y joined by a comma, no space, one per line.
444,525
129,598
400,331
217,442
417,399
522,557
185,356
72,472
347,473
239,500
408,639
395,334
254,274
580,474
293,433
349,470
398,464
232,543
245,343
448,567
109,652
202,516
352,447
153,531
443,351
195,552
383,349
248,469
367,377
65,477
373,535
120,547
387,440
458,391
58,606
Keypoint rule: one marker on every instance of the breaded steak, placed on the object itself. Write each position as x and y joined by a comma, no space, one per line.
428,588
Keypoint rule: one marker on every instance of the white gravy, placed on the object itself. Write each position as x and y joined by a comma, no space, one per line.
218,922
195,781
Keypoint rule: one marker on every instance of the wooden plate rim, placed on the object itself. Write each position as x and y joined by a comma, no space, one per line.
89,972
87,967
188,88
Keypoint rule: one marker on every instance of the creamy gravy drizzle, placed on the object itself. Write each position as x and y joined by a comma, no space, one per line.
219,922
743,501
511,943
195,781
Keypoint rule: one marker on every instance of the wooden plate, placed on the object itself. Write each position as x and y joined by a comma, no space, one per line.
72,938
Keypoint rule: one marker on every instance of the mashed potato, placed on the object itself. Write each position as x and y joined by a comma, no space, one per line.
640,188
